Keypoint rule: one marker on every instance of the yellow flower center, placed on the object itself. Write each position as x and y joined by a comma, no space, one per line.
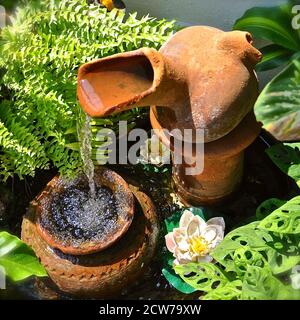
199,246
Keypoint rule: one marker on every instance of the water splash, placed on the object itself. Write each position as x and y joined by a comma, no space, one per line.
85,137
75,217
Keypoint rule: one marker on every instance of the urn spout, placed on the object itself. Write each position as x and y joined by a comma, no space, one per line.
124,81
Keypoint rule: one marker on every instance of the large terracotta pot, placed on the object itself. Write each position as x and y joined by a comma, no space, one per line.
103,273
202,78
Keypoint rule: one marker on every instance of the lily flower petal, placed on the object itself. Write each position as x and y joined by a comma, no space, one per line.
213,234
170,242
202,223
185,219
194,239
193,229
180,238
217,221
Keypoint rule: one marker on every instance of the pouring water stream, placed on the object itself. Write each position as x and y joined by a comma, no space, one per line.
85,137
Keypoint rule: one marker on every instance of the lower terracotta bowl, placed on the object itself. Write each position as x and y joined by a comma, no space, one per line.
106,273
68,220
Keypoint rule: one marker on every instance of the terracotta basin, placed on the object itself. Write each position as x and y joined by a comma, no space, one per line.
50,222
103,274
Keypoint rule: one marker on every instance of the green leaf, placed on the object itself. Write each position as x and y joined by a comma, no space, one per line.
285,219
260,284
277,107
244,257
18,260
231,291
272,23
247,236
202,276
273,57
279,252
287,158
73,146
268,207
176,281
283,252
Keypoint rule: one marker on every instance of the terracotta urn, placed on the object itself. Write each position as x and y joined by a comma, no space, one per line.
201,79
93,268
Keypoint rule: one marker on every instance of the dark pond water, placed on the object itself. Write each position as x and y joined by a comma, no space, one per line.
262,180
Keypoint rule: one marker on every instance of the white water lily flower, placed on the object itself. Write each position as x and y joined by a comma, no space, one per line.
195,239
154,152
295,277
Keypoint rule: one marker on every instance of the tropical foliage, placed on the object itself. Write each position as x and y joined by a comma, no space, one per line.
18,260
273,24
252,262
278,105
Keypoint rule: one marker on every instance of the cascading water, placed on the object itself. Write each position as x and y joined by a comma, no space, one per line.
80,211
85,137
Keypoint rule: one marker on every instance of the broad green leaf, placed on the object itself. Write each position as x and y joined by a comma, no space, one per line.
244,257
283,253
202,276
231,291
285,219
273,57
278,251
277,107
260,284
18,260
177,282
172,277
272,23
268,207
287,158
245,236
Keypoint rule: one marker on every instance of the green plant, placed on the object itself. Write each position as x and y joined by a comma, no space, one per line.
40,54
18,260
253,261
287,157
278,105
273,24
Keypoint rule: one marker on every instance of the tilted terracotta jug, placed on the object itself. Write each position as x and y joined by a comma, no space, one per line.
202,78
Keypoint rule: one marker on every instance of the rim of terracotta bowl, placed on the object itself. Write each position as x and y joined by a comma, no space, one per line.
125,212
